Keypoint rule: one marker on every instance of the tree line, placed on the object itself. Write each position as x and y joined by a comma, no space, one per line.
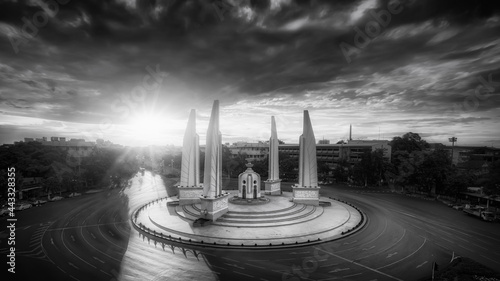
59,171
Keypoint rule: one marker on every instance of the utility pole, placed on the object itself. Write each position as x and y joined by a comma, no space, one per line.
452,140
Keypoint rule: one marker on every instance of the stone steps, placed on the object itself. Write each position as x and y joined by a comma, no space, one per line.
298,213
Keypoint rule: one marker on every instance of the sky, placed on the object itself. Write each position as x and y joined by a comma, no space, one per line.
130,71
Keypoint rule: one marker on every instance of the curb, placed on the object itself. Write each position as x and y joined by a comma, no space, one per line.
159,237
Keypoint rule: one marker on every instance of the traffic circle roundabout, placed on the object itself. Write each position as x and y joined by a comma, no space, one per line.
281,223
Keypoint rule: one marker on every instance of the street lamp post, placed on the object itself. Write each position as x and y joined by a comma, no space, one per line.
452,140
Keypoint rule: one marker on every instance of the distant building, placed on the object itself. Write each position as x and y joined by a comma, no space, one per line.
77,148
254,151
470,157
331,154
323,141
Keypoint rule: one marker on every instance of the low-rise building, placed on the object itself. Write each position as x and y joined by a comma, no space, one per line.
331,154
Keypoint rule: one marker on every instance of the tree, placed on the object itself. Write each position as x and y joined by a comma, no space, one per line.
51,185
433,171
407,155
341,171
323,170
408,142
261,167
370,169
492,185
288,166
457,182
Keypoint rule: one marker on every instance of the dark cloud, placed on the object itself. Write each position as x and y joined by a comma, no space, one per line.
91,55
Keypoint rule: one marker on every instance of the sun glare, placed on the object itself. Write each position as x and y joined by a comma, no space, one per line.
148,126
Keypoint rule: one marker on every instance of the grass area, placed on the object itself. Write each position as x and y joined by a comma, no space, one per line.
465,269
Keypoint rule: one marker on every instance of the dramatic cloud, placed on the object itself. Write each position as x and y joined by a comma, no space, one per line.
103,68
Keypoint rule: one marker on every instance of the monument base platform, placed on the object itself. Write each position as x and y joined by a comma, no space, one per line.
213,208
282,223
273,187
306,195
190,194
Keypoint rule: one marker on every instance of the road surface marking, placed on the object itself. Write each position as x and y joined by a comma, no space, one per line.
369,248
479,246
61,269
111,233
92,234
328,265
243,274
338,270
234,265
255,265
495,261
106,273
465,248
64,244
448,240
390,255
358,264
418,227
73,265
97,259
230,259
425,240
73,238
356,274
331,278
420,265
298,253
26,227
74,277
347,243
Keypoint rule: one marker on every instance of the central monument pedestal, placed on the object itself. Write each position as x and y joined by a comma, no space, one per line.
306,195
273,187
214,208
190,194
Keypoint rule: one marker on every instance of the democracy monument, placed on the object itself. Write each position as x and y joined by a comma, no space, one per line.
205,215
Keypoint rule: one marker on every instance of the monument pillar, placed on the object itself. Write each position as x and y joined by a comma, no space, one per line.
273,183
214,203
189,187
306,191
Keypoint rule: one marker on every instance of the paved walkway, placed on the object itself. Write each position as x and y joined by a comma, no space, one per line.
279,222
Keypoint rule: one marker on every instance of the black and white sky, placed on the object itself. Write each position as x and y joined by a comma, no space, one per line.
129,71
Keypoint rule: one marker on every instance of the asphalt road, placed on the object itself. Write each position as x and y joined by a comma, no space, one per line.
89,238
402,239
81,238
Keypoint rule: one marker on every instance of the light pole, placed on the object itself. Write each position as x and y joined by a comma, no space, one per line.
452,140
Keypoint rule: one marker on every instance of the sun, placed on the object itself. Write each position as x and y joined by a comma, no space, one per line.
148,126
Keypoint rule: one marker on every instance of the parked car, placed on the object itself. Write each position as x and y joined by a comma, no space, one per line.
74,194
56,198
37,202
22,206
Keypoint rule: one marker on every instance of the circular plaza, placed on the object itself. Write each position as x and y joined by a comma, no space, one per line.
279,223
